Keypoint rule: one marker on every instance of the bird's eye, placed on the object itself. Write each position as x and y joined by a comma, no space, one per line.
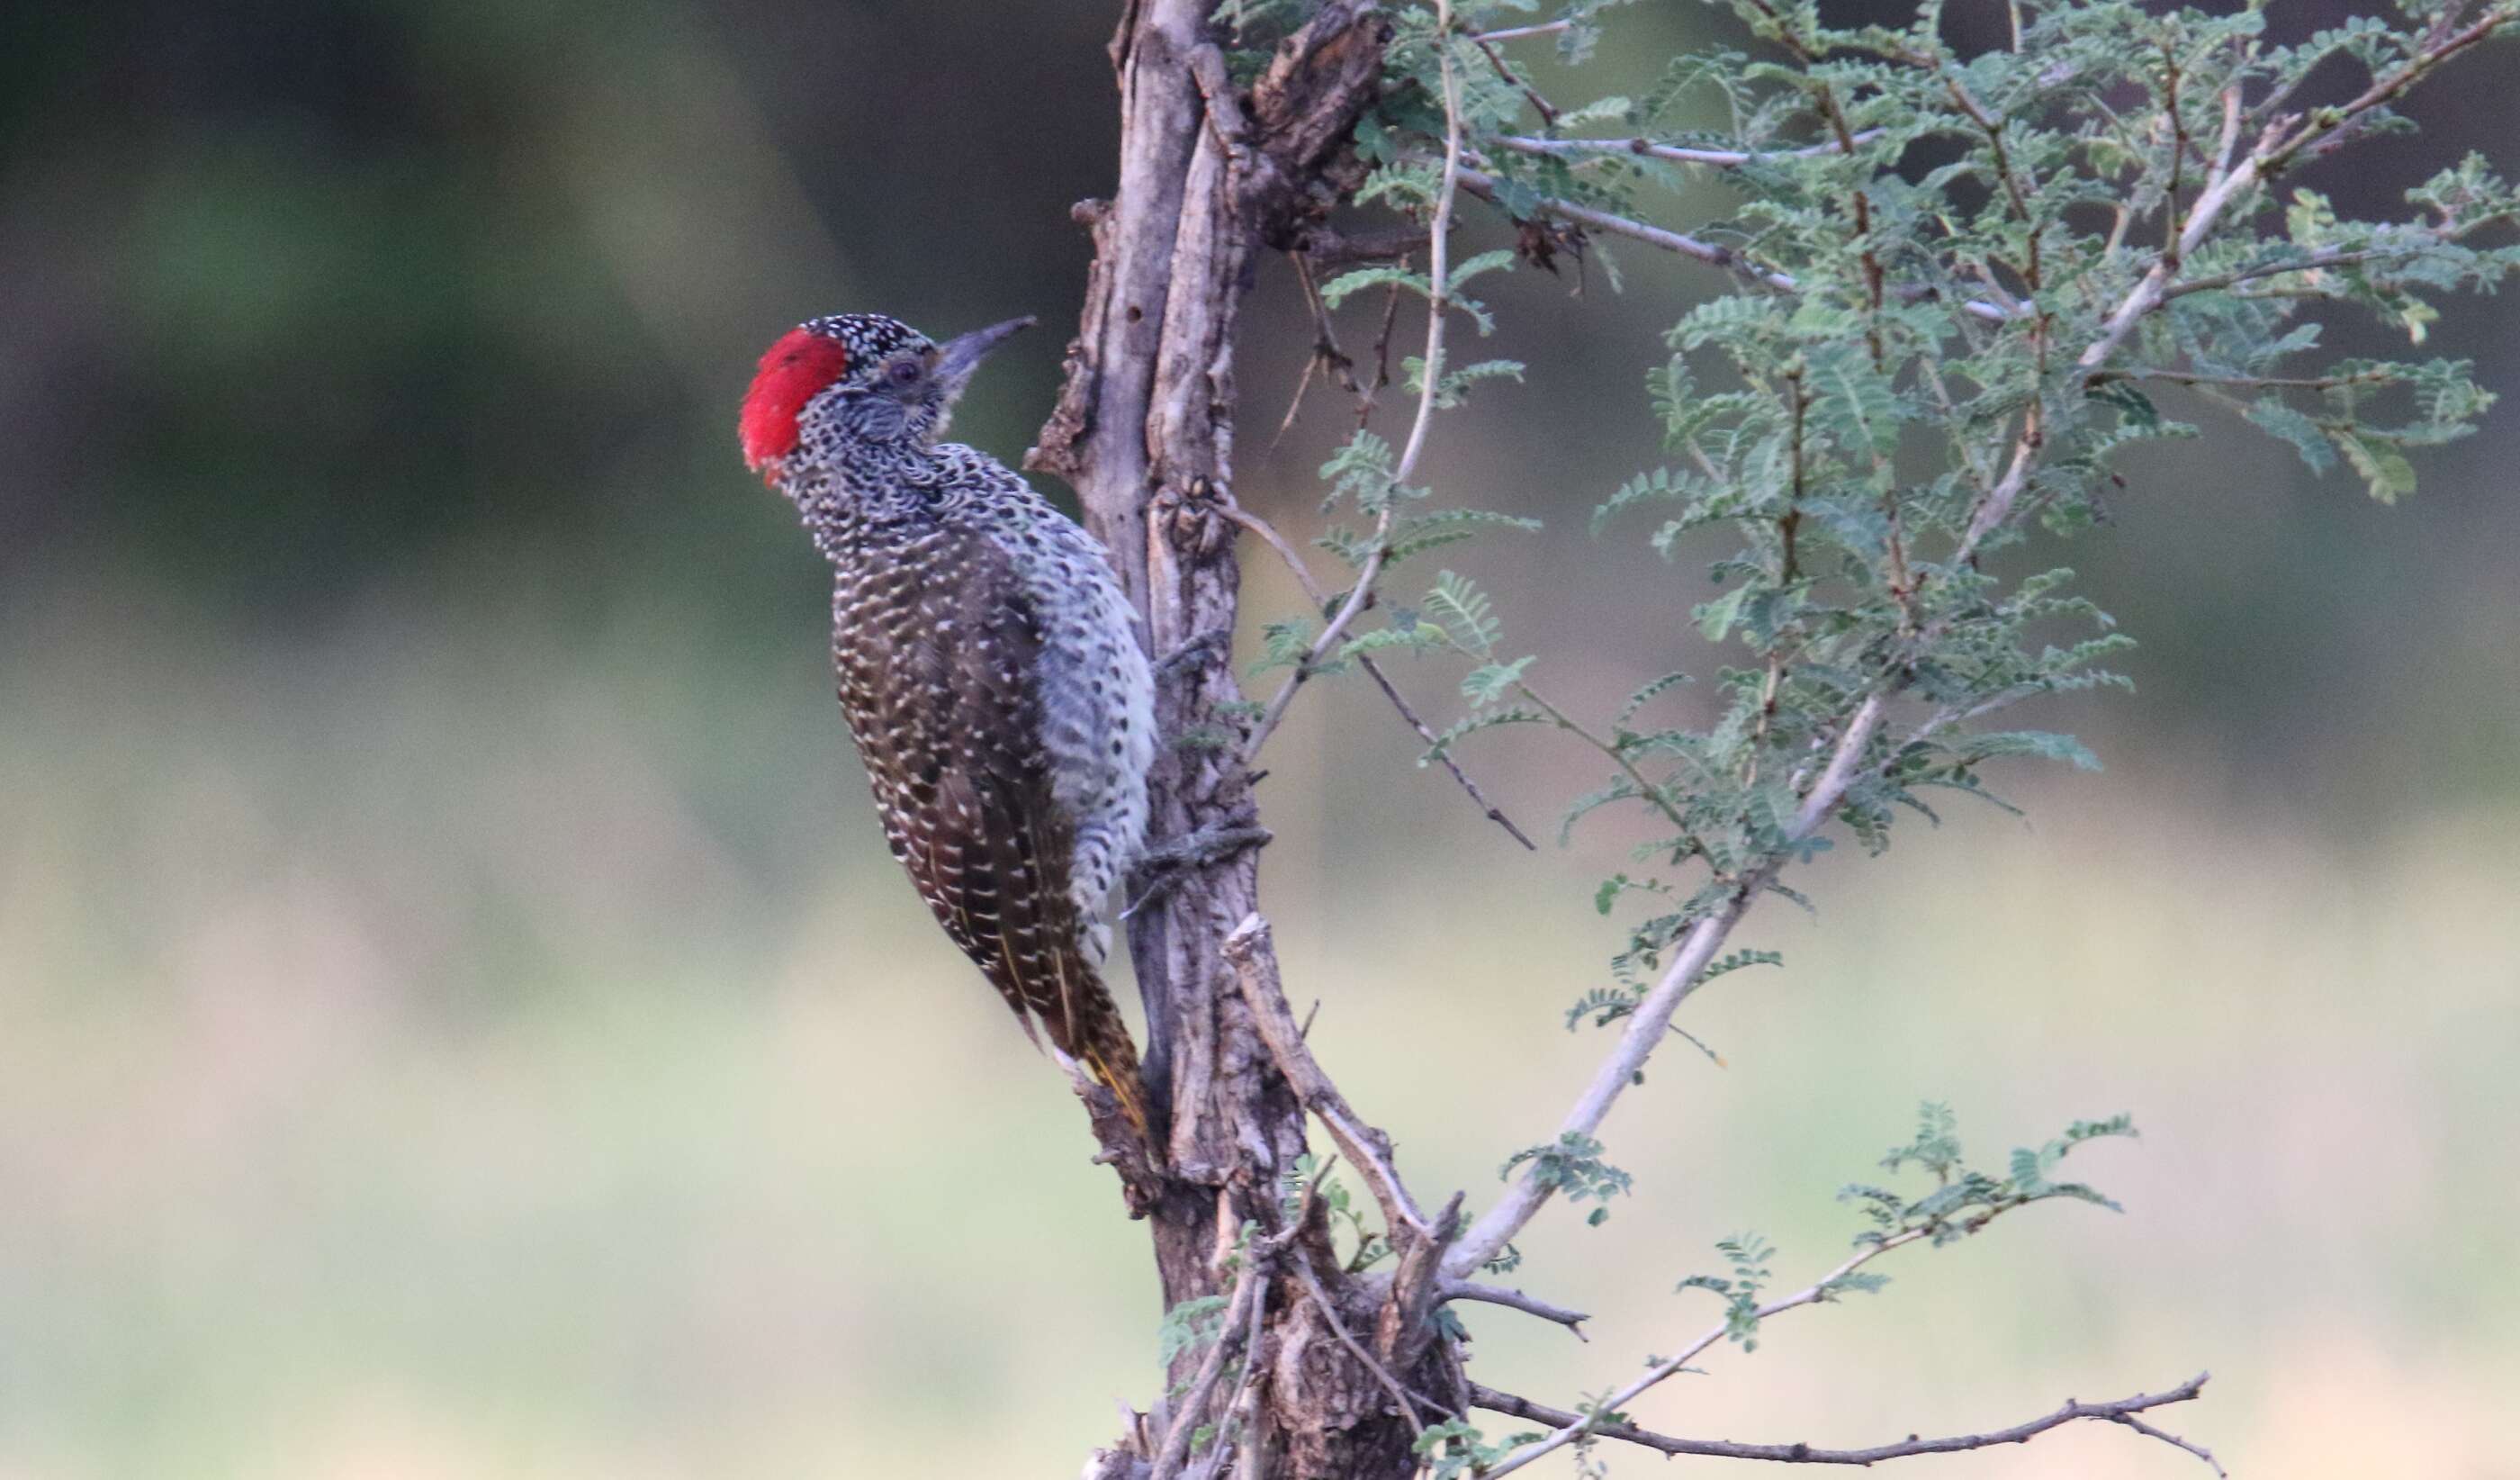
906,372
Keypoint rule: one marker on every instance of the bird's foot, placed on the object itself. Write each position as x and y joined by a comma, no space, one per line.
1161,869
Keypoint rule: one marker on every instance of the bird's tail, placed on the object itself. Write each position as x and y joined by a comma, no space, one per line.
1101,1041
1043,957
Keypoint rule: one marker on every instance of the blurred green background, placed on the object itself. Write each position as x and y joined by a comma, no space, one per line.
456,1019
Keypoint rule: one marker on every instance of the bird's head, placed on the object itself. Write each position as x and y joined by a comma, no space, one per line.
857,378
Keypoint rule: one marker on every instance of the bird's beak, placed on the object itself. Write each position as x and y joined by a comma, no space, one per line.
961,356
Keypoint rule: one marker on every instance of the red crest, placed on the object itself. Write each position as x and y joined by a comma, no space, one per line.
794,371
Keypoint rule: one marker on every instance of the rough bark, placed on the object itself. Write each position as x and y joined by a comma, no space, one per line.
1209,176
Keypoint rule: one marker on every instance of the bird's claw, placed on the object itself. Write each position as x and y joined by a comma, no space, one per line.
1159,868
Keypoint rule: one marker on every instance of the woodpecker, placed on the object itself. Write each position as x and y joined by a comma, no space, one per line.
987,661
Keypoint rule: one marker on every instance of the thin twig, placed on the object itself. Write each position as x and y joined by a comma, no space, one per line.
2123,1411
1325,351
1652,794
1514,79
1295,404
1811,1294
1517,1300
1322,1301
1254,959
1381,353
1438,267
2245,382
1286,552
2126,1413
1517,32
1484,185
1721,159
1444,756
2311,263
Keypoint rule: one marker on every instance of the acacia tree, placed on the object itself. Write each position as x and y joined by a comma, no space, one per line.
1952,282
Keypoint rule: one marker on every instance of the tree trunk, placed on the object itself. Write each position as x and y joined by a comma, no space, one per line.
1144,430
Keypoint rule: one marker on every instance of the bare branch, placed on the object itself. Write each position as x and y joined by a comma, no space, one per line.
1254,958
2122,1410
1515,32
2246,381
1524,1199
1529,1304
2312,263
1325,248
1816,1291
1329,1313
1484,186
2127,1417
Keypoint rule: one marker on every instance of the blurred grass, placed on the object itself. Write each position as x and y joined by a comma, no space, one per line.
479,1040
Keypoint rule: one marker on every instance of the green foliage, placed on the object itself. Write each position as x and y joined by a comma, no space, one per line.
1189,1325
1963,288
1962,1199
1367,1246
1573,1166
1748,1254
1455,1448
1965,285
1961,1202
1284,644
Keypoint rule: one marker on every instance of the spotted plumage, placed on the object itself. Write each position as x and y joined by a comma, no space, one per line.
987,663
